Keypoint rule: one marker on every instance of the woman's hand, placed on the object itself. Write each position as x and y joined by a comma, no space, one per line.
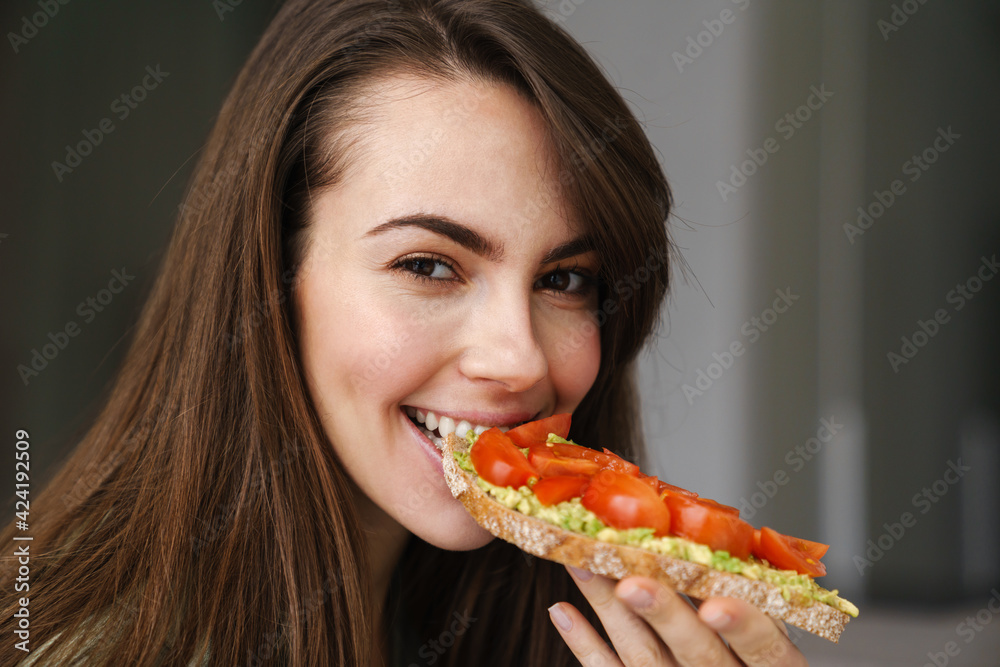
650,624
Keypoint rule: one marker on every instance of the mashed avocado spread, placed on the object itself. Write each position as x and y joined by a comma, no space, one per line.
571,515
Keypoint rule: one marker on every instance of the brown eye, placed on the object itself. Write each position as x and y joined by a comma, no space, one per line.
557,280
420,266
425,268
562,281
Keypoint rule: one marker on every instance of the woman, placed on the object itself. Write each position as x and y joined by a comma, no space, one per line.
422,210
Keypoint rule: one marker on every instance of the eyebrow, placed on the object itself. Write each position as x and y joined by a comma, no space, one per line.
445,226
473,240
577,246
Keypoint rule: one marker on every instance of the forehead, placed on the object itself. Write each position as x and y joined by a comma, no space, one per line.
473,151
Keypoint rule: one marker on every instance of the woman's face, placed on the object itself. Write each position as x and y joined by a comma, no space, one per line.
442,274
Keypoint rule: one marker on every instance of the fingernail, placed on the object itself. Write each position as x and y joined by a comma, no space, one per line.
717,619
582,575
637,596
560,618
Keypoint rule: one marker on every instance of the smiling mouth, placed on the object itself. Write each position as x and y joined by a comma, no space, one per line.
436,428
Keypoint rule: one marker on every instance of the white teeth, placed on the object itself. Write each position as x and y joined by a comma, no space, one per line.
446,425
438,442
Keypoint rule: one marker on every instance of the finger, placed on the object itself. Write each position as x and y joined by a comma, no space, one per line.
751,634
669,614
781,625
581,637
636,642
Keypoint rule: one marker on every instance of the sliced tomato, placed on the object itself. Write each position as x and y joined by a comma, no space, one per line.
606,459
623,501
651,481
756,543
616,462
538,431
549,464
498,461
664,487
815,549
708,523
552,490
791,553
566,449
729,509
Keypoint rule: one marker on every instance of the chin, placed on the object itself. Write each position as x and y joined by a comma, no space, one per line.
451,530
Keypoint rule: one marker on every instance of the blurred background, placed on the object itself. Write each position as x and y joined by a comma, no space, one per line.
825,363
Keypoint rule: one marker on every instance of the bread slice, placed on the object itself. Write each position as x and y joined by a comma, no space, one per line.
546,540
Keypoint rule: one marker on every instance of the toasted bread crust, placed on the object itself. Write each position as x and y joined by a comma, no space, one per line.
617,561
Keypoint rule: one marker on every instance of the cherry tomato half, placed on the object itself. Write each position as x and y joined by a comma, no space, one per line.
538,431
623,501
606,459
662,487
791,553
549,463
709,524
616,462
728,509
552,490
499,462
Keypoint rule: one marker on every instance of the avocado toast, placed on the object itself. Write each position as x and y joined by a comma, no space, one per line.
569,533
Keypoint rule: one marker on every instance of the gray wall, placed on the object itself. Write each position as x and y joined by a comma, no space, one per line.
826,357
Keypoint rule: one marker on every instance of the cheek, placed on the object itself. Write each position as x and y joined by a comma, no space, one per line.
574,353
381,350
396,355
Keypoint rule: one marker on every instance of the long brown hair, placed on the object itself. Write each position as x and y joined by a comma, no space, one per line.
204,513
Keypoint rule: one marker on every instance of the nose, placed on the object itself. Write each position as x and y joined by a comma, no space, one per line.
503,346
